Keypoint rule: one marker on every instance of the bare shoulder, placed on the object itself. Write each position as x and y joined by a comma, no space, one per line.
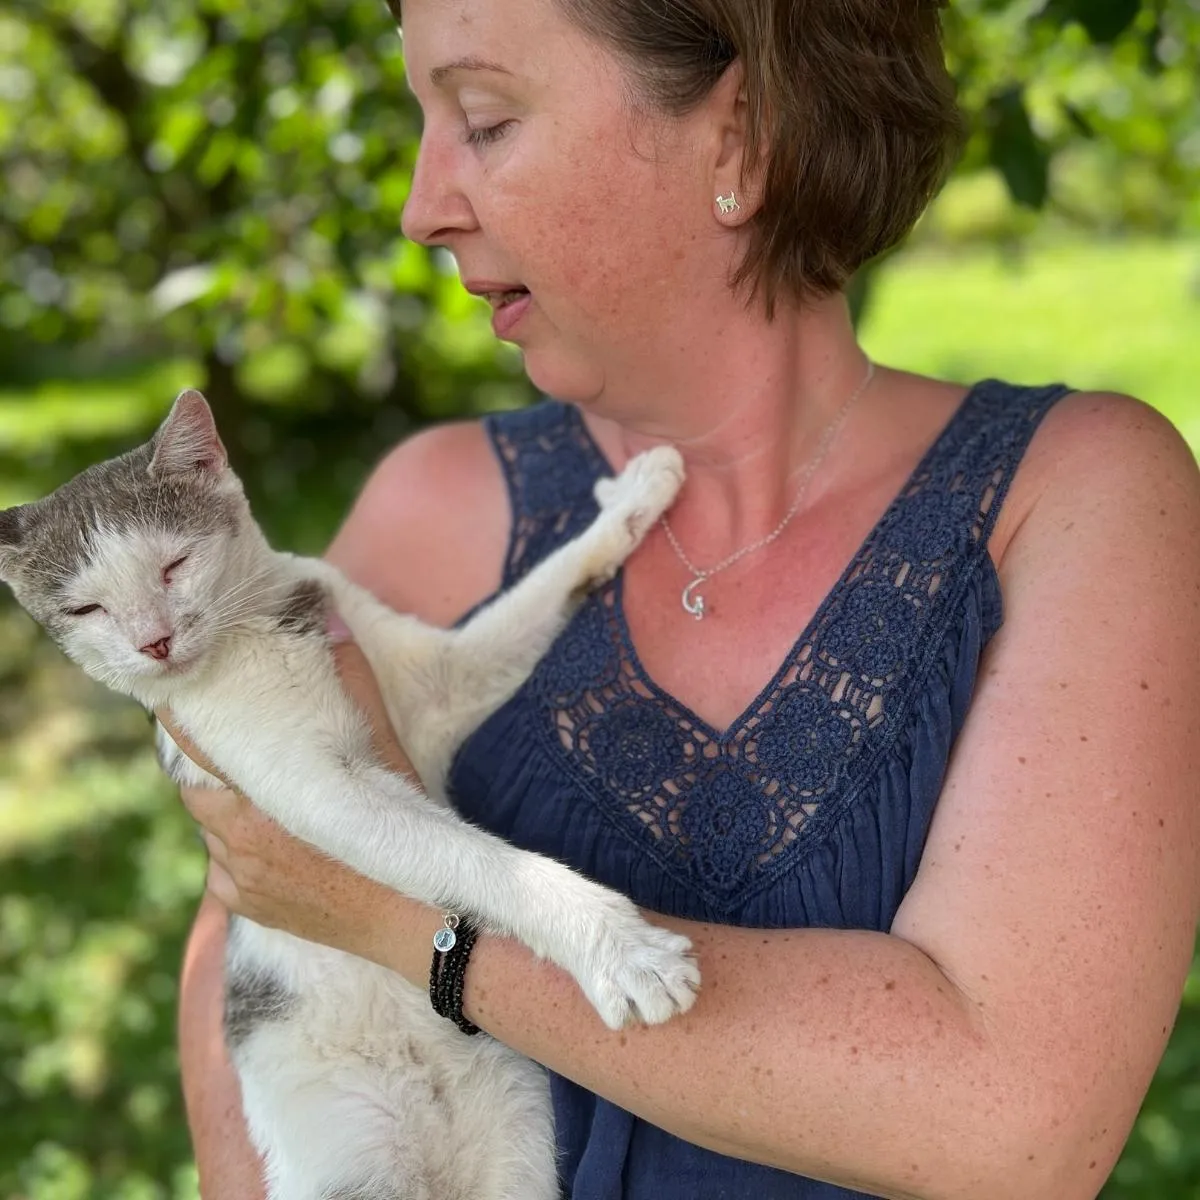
1103,453
429,530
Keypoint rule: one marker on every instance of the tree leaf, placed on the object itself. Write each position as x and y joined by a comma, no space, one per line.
1104,20
1015,150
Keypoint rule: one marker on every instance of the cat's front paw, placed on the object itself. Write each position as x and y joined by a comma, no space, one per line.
644,490
639,973
630,504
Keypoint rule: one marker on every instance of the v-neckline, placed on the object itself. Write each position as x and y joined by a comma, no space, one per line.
722,737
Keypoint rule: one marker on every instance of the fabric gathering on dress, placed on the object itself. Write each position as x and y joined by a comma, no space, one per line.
810,810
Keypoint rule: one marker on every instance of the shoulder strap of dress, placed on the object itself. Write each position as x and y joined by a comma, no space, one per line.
987,441
550,465
936,531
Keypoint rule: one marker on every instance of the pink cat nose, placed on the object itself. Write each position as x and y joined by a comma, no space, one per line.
159,650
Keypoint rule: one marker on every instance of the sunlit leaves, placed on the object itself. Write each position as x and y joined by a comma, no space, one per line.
1088,108
265,142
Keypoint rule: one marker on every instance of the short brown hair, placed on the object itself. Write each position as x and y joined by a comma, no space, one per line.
853,118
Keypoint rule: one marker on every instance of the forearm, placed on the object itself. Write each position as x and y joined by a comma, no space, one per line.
226,1161
886,1076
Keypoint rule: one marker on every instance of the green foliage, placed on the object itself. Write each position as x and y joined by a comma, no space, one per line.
222,183
1088,108
209,192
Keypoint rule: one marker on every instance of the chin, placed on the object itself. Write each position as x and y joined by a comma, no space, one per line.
182,662
174,670
565,379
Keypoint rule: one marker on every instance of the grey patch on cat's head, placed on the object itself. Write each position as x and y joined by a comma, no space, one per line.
251,1001
12,533
11,526
148,549
177,481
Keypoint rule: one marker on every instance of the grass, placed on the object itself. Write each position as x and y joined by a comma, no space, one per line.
1117,316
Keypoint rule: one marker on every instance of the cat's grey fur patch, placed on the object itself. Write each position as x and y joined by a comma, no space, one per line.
56,533
303,609
250,1001
11,521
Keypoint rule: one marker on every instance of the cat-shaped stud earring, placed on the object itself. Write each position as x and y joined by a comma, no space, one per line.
728,204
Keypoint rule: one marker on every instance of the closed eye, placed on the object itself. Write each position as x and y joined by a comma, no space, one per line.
169,569
486,135
86,610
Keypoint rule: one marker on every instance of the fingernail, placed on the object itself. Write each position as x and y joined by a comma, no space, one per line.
337,630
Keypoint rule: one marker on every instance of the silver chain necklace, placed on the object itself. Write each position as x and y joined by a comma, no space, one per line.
692,601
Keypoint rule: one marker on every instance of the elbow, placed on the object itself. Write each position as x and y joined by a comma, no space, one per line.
1028,1136
1071,1158
1063,1149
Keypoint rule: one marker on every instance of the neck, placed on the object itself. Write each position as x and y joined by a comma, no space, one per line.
748,416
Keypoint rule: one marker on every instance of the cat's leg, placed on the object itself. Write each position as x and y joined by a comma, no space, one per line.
441,684
384,828
386,1101
481,665
511,634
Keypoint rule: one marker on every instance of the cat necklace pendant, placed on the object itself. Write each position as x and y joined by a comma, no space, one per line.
694,604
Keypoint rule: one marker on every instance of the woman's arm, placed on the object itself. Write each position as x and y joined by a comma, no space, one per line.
227,1163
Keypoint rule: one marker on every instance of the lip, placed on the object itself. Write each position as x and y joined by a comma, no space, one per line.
507,318
482,287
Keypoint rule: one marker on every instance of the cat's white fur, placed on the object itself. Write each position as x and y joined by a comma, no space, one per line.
352,1087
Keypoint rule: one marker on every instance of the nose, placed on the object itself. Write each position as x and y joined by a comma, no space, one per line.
437,207
160,650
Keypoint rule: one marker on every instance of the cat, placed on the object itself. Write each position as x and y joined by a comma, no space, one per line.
151,574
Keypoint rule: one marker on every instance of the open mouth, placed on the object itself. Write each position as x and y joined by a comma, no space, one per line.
499,300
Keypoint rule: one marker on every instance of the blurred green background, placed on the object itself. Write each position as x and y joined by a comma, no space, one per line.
209,193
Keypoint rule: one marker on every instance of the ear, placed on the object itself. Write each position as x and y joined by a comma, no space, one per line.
736,180
188,440
12,532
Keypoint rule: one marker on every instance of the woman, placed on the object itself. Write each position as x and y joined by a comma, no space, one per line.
943,876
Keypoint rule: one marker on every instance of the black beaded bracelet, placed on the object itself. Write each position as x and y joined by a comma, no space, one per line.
448,972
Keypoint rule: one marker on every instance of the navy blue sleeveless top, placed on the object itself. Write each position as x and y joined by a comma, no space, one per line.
810,810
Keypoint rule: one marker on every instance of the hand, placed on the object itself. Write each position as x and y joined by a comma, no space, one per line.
258,870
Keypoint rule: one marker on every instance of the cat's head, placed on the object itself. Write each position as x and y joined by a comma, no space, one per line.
137,564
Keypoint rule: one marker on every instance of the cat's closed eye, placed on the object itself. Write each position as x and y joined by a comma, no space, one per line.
172,567
86,610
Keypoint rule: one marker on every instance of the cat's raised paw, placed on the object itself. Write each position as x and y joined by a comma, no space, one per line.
644,490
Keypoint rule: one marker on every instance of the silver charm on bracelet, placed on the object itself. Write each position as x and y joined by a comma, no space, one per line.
446,938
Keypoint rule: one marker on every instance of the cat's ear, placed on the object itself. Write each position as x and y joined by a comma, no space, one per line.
12,533
188,440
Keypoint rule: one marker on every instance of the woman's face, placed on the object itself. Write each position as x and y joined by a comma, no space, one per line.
589,228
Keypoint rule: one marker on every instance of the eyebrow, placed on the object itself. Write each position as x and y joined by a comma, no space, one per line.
439,75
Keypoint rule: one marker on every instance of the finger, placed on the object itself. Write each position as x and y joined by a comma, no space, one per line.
211,806
359,681
218,852
220,884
